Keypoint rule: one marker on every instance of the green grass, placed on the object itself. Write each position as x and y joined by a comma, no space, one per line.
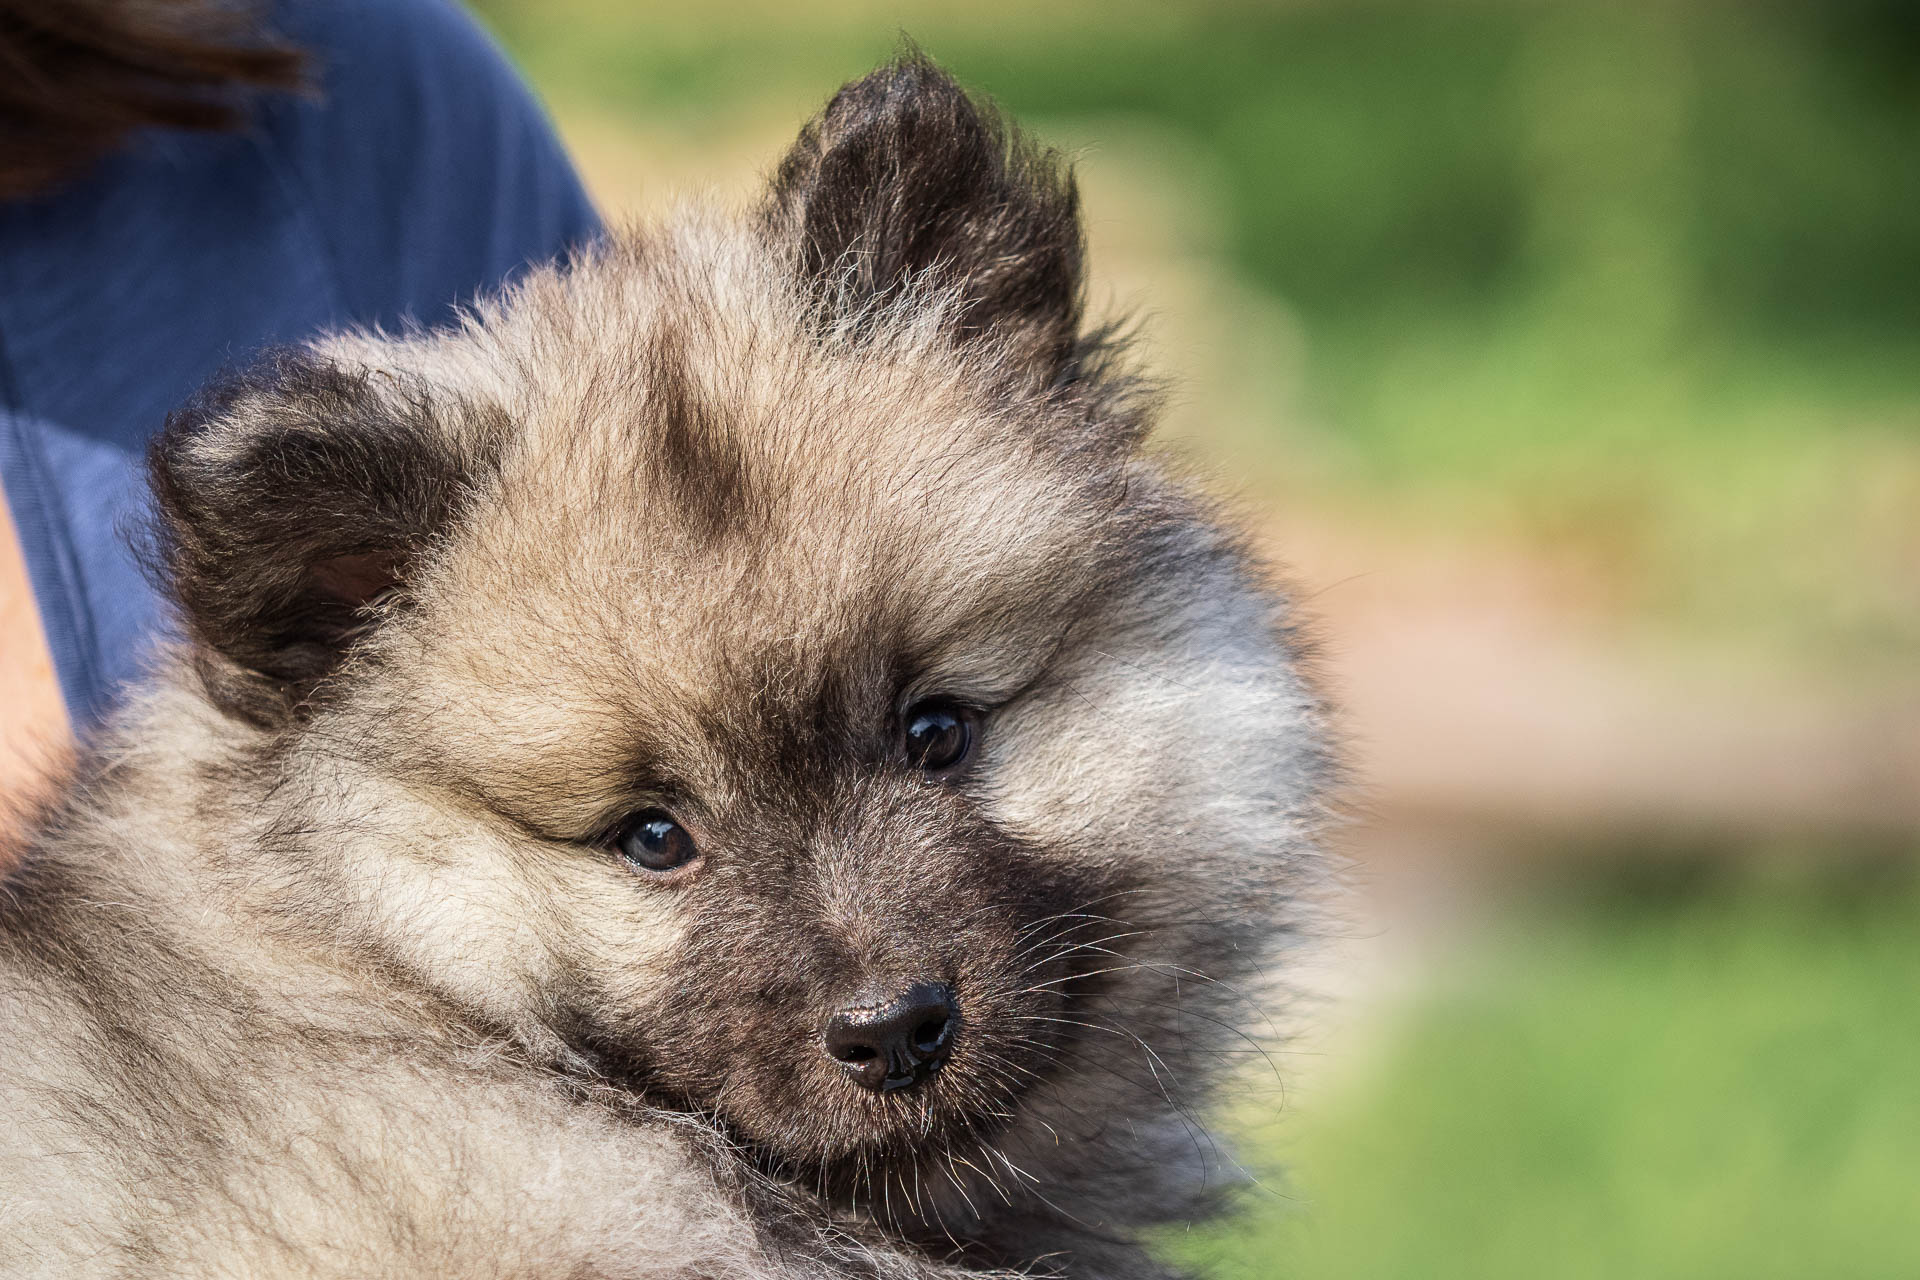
1744,169
1726,1086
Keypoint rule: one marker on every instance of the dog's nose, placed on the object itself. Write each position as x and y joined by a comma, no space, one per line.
897,1044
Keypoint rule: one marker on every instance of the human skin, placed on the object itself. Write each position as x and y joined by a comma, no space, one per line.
34,734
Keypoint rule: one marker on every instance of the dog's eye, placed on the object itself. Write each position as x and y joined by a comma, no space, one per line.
939,735
653,841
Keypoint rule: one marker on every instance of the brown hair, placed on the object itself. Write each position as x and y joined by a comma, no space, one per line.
77,76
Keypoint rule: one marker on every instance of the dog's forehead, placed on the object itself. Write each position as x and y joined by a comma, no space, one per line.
671,557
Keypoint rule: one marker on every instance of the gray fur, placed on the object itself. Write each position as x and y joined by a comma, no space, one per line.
323,966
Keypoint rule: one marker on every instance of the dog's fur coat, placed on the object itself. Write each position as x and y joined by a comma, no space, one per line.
324,967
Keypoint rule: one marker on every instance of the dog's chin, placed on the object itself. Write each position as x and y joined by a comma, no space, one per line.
849,1141
842,1133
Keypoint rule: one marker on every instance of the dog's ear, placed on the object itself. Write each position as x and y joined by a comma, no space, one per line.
905,179
293,500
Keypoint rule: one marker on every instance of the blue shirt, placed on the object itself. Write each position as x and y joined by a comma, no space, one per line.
421,174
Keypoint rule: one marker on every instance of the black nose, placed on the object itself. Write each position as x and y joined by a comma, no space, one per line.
897,1044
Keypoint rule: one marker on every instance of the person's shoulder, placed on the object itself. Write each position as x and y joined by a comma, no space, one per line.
371,53
430,166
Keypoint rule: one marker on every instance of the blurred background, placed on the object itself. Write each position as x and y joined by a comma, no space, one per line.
1568,358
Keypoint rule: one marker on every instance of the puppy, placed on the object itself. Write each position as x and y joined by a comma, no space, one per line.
734,762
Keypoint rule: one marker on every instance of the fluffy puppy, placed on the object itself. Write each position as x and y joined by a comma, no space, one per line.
733,762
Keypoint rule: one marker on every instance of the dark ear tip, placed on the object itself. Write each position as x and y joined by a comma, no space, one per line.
911,87
909,74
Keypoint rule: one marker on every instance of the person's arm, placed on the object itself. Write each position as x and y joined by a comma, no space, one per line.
34,735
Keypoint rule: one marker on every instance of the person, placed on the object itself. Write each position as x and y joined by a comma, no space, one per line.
183,183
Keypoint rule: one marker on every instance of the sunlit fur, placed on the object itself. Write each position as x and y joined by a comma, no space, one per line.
324,968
